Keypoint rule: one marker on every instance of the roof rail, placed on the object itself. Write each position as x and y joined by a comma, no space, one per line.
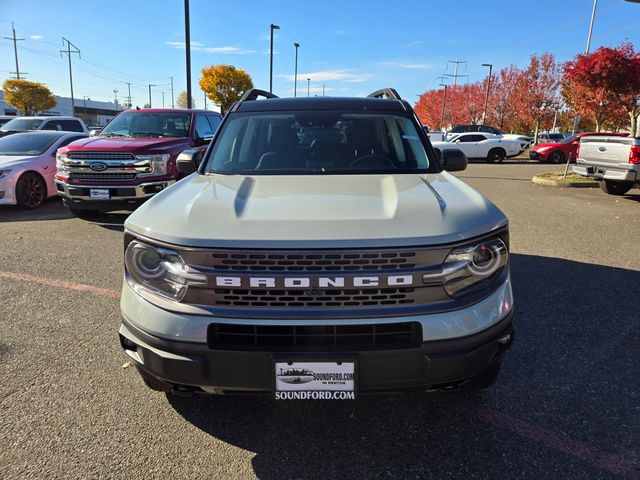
252,94
385,92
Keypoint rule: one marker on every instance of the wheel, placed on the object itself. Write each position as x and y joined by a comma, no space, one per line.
80,213
496,155
556,157
615,188
31,191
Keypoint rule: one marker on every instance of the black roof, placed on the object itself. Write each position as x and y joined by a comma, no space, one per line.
323,103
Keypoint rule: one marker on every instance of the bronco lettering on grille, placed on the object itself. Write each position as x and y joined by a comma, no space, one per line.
314,282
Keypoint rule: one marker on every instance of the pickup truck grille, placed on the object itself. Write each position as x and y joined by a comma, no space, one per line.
102,176
315,337
101,156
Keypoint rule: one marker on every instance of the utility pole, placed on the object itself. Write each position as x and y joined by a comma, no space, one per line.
308,86
455,75
444,103
162,93
187,37
129,96
115,95
323,89
15,49
205,100
272,27
68,52
486,96
150,94
593,17
173,105
295,74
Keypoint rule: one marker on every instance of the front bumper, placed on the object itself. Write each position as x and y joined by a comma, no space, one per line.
455,347
624,172
534,155
79,196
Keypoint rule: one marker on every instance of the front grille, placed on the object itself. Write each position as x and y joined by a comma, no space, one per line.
315,337
101,155
102,176
334,261
314,298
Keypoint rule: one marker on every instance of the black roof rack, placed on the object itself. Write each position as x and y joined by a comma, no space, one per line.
385,92
252,94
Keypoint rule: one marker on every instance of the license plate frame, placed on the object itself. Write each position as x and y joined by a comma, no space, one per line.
315,378
99,194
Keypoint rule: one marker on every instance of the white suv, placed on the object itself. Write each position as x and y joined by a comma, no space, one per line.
57,123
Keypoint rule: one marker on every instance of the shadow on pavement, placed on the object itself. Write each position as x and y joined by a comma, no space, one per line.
52,209
565,405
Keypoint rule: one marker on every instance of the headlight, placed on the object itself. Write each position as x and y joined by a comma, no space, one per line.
4,173
160,270
467,268
61,165
158,165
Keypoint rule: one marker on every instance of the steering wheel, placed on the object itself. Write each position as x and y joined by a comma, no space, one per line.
372,161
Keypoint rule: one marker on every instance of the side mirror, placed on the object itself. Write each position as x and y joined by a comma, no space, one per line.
188,161
94,133
454,160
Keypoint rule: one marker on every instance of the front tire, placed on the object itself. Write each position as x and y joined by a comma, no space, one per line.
31,191
615,188
496,155
556,157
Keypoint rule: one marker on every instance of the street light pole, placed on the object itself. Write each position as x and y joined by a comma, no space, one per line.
162,93
486,96
295,75
308,86
593,16
444,103
150,94
272,27
187,39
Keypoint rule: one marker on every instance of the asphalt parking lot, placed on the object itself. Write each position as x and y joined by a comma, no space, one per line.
566,406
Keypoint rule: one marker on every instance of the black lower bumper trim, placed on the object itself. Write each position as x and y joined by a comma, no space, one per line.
440,362
103,205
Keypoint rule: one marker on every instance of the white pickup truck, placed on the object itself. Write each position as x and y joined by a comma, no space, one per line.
613,161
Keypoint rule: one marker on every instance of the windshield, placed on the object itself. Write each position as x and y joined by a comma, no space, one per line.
452,138
27,144
147,124
22,124
569,139
317,142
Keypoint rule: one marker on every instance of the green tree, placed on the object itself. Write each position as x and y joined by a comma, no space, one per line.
224,84
28,97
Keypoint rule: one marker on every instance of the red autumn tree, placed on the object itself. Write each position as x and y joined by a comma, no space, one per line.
502,110
536,96
465,103
609,72
595,104
429,108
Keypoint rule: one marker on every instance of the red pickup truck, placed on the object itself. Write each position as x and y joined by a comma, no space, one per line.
133,158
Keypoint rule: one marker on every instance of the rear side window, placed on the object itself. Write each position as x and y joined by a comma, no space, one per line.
53,125
71,126
203,128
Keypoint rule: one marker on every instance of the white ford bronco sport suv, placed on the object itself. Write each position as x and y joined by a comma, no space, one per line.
318,250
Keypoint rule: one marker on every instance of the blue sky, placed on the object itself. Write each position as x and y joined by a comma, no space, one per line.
351,47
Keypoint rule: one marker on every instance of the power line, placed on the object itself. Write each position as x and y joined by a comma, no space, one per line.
15,49
68,51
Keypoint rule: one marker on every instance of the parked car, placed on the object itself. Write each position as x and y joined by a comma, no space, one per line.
435,136
523,139
59,124
317,272
28,166
5,118
612,160
493,148
550,138
559,152
132,159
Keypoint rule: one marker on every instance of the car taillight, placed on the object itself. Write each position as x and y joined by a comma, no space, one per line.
634,155
577,151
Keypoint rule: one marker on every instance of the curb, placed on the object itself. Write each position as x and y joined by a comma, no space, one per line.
554,183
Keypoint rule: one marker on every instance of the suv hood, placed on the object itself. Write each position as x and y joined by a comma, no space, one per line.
273,211
122,144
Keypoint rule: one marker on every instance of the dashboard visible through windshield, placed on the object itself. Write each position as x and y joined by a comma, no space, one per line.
318,142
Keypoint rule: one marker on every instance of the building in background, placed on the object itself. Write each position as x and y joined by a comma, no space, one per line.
91,111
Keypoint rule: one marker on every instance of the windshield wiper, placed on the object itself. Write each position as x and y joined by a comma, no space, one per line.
116,135
147,134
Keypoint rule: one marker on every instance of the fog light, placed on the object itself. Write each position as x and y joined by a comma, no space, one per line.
127,344
505,340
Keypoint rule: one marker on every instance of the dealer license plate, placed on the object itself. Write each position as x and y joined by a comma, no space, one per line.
99,193
314,380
